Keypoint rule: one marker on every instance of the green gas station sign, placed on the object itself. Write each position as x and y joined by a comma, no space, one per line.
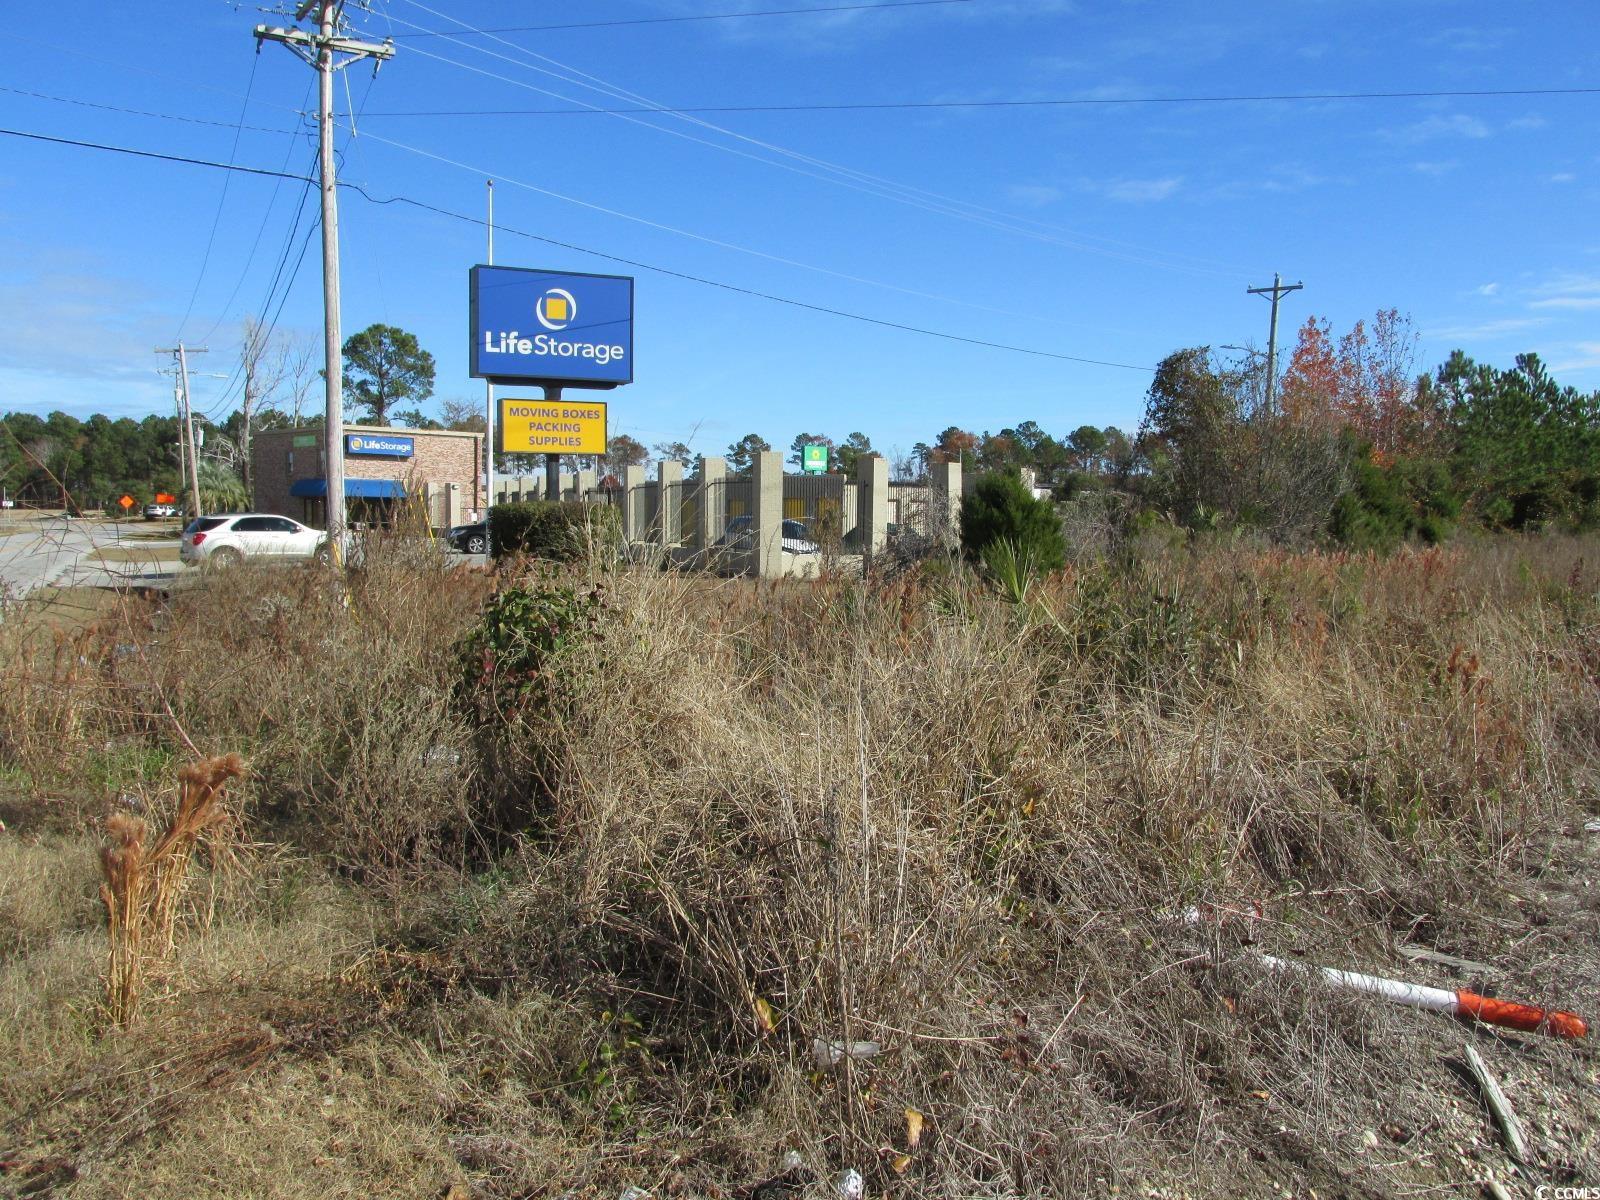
814,458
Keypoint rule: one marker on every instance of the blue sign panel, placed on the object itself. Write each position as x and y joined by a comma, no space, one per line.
551,327
381,445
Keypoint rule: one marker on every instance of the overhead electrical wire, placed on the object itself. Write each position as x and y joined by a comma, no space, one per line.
736,16
222,200
704,238
837,173
636,263
235,381
142,112
261,228
914,105
707,239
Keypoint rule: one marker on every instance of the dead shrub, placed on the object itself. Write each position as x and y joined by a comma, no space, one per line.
142,885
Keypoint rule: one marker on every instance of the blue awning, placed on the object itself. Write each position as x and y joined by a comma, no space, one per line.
356,489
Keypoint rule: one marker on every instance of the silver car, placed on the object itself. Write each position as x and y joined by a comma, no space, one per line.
796,537
231,539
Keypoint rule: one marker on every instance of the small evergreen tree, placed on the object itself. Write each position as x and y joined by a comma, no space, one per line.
1003,509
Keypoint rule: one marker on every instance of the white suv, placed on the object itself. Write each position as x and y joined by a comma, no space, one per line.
229,540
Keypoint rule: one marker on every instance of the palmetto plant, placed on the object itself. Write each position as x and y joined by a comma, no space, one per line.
1013,566
220,489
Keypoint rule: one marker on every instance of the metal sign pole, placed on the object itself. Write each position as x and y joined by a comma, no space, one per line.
552,462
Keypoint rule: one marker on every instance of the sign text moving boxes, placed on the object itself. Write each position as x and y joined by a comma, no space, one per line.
551,327
552,427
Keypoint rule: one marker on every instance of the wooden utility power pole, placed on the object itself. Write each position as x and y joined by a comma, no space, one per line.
1277,291
318,49
490,416
186,415
183,443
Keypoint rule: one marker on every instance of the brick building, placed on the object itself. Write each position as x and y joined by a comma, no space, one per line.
383,468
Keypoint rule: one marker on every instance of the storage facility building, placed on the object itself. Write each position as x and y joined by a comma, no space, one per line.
438,470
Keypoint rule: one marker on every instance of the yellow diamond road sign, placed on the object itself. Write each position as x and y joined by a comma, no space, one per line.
552,427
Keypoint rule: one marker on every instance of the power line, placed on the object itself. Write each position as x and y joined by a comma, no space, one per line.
744,291
688,233
175,158
643,266
738,16
914,105
142,112
835,173
222,199
261,228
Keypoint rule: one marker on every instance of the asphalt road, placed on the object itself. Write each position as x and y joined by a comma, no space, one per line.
51,551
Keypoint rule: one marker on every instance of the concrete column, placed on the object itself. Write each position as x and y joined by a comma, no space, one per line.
872,504
586,484
453,506
944,501
766,513
712,519
669,495
632,503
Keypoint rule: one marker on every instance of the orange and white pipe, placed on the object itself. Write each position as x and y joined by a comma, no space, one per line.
1469,1006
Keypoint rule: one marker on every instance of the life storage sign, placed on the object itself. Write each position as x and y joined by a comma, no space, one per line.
552,427
551,327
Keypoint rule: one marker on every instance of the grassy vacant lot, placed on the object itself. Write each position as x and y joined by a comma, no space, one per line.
548,884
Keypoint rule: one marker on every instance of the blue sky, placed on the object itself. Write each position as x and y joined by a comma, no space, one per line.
1117,233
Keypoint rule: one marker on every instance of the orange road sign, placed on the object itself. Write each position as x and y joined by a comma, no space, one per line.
127,502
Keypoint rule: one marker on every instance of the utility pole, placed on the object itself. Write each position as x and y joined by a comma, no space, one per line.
318,50
183,456
488,438
186,414
1277,291
253,350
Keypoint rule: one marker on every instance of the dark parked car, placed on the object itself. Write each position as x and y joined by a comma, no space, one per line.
469,539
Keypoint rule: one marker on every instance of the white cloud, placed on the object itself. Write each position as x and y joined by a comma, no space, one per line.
1033,195
1485,330
1468,40
1456,125
1140,191
1486,289
1583,356
1527,123
1563,177
1435,168
1567,290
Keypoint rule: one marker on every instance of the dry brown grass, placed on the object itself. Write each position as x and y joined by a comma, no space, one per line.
904,812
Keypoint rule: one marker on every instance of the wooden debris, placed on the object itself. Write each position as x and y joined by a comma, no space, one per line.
1423,954
1499,1106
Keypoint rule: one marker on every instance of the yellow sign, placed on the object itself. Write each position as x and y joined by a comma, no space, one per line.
127,502
552,427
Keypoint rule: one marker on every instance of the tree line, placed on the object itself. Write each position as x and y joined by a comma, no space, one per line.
1350,442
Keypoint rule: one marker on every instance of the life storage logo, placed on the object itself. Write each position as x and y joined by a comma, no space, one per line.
556,309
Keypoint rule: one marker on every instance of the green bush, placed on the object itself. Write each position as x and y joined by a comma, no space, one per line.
1385,506
1003,509
508,661
565,531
